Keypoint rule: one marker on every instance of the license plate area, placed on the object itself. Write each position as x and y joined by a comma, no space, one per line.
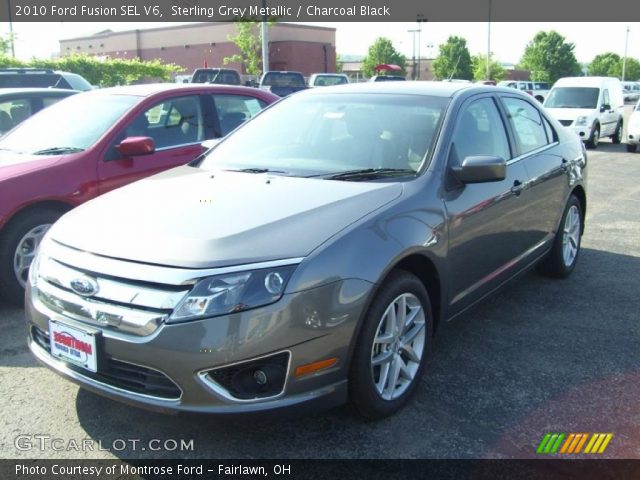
74,345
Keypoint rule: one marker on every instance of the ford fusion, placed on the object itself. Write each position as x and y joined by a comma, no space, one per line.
308,258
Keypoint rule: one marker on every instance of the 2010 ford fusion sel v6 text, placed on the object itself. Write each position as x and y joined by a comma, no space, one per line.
309,257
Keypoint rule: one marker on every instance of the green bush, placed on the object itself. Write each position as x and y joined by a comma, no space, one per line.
101,72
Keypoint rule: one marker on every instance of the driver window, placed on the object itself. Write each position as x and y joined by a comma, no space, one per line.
480,131
605,97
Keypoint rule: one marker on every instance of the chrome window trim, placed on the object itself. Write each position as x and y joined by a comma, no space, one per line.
533,152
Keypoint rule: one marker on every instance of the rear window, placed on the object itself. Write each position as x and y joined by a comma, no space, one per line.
283,79
329,80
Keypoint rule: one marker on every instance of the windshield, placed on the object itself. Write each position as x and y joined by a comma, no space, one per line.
283,79
74,123
572,97
314,135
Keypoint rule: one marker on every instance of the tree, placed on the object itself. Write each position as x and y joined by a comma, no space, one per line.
606,65
249,43
496,71
453,60
633,70
549,57
339,63
382,51
5,43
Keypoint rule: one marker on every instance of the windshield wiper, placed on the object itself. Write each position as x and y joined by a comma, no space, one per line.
370,173
54,150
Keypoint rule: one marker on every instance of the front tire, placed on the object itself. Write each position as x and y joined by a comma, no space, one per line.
18,243
563,256
594,139
392,351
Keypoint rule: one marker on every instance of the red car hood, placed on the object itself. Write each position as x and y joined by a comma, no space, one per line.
14,164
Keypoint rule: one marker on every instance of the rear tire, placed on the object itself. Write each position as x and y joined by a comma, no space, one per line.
393,346
617,136
18,243
594,139
564,253
632,147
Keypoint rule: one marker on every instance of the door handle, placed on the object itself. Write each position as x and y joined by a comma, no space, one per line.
517,187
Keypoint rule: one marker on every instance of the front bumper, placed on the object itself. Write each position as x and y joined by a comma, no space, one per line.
310,326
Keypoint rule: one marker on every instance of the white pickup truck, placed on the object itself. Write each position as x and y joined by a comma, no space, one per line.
539,90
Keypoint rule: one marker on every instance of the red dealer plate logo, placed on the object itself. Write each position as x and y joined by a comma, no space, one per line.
73,345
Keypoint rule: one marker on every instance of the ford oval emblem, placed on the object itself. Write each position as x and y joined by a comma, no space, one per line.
85,286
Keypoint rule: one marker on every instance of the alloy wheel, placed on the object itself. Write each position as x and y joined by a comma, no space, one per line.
398,346
571,236
25,252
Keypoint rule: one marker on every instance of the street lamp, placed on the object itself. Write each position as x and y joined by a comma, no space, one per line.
265,39
413,65
624,61
488,72
13,48
420,18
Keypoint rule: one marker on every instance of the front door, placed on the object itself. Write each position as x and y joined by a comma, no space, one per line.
177,127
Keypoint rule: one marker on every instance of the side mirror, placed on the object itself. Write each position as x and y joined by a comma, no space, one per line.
134,146
481,169
605,107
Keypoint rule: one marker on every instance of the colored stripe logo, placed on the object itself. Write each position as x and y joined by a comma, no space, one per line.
573,443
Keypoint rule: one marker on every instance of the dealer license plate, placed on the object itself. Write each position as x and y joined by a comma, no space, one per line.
73,345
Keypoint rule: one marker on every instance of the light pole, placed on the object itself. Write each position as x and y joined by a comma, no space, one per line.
419,19
265,39
13,48
488,72
624,61
413,65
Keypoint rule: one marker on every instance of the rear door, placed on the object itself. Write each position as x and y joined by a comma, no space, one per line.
177,126
609,116
536,148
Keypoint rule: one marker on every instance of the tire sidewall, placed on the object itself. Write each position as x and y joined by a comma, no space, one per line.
565,270
10,288
363,393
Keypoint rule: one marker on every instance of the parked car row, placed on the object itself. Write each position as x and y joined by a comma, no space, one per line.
538,90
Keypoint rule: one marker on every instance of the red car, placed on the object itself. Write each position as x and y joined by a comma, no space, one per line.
97,141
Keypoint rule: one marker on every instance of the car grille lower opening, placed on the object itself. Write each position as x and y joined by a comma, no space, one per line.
261,378
566,123
122,375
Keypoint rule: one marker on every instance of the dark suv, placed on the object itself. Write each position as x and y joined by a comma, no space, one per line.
41,78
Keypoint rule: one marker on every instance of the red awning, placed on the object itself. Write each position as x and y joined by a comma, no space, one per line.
387,67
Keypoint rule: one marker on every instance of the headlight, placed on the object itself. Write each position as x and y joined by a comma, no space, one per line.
233,292
581,121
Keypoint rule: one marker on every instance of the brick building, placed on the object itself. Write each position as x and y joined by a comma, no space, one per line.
304,48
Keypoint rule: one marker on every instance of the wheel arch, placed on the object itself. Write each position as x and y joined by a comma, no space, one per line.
55,205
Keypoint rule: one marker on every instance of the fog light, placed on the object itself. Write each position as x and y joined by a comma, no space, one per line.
582,134
260,377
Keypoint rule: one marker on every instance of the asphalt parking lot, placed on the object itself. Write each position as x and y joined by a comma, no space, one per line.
541,356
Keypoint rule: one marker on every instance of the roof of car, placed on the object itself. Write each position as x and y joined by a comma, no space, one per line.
36,91
438,89
149,89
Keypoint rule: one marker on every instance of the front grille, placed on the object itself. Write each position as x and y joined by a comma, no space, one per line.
566,123
119,374
239,380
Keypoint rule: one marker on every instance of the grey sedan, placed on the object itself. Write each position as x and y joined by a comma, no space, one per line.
309,257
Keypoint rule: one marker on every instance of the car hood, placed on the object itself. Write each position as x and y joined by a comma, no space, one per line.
192,218
570,113
13,163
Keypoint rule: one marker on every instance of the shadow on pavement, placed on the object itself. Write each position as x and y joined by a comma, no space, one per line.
542,355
